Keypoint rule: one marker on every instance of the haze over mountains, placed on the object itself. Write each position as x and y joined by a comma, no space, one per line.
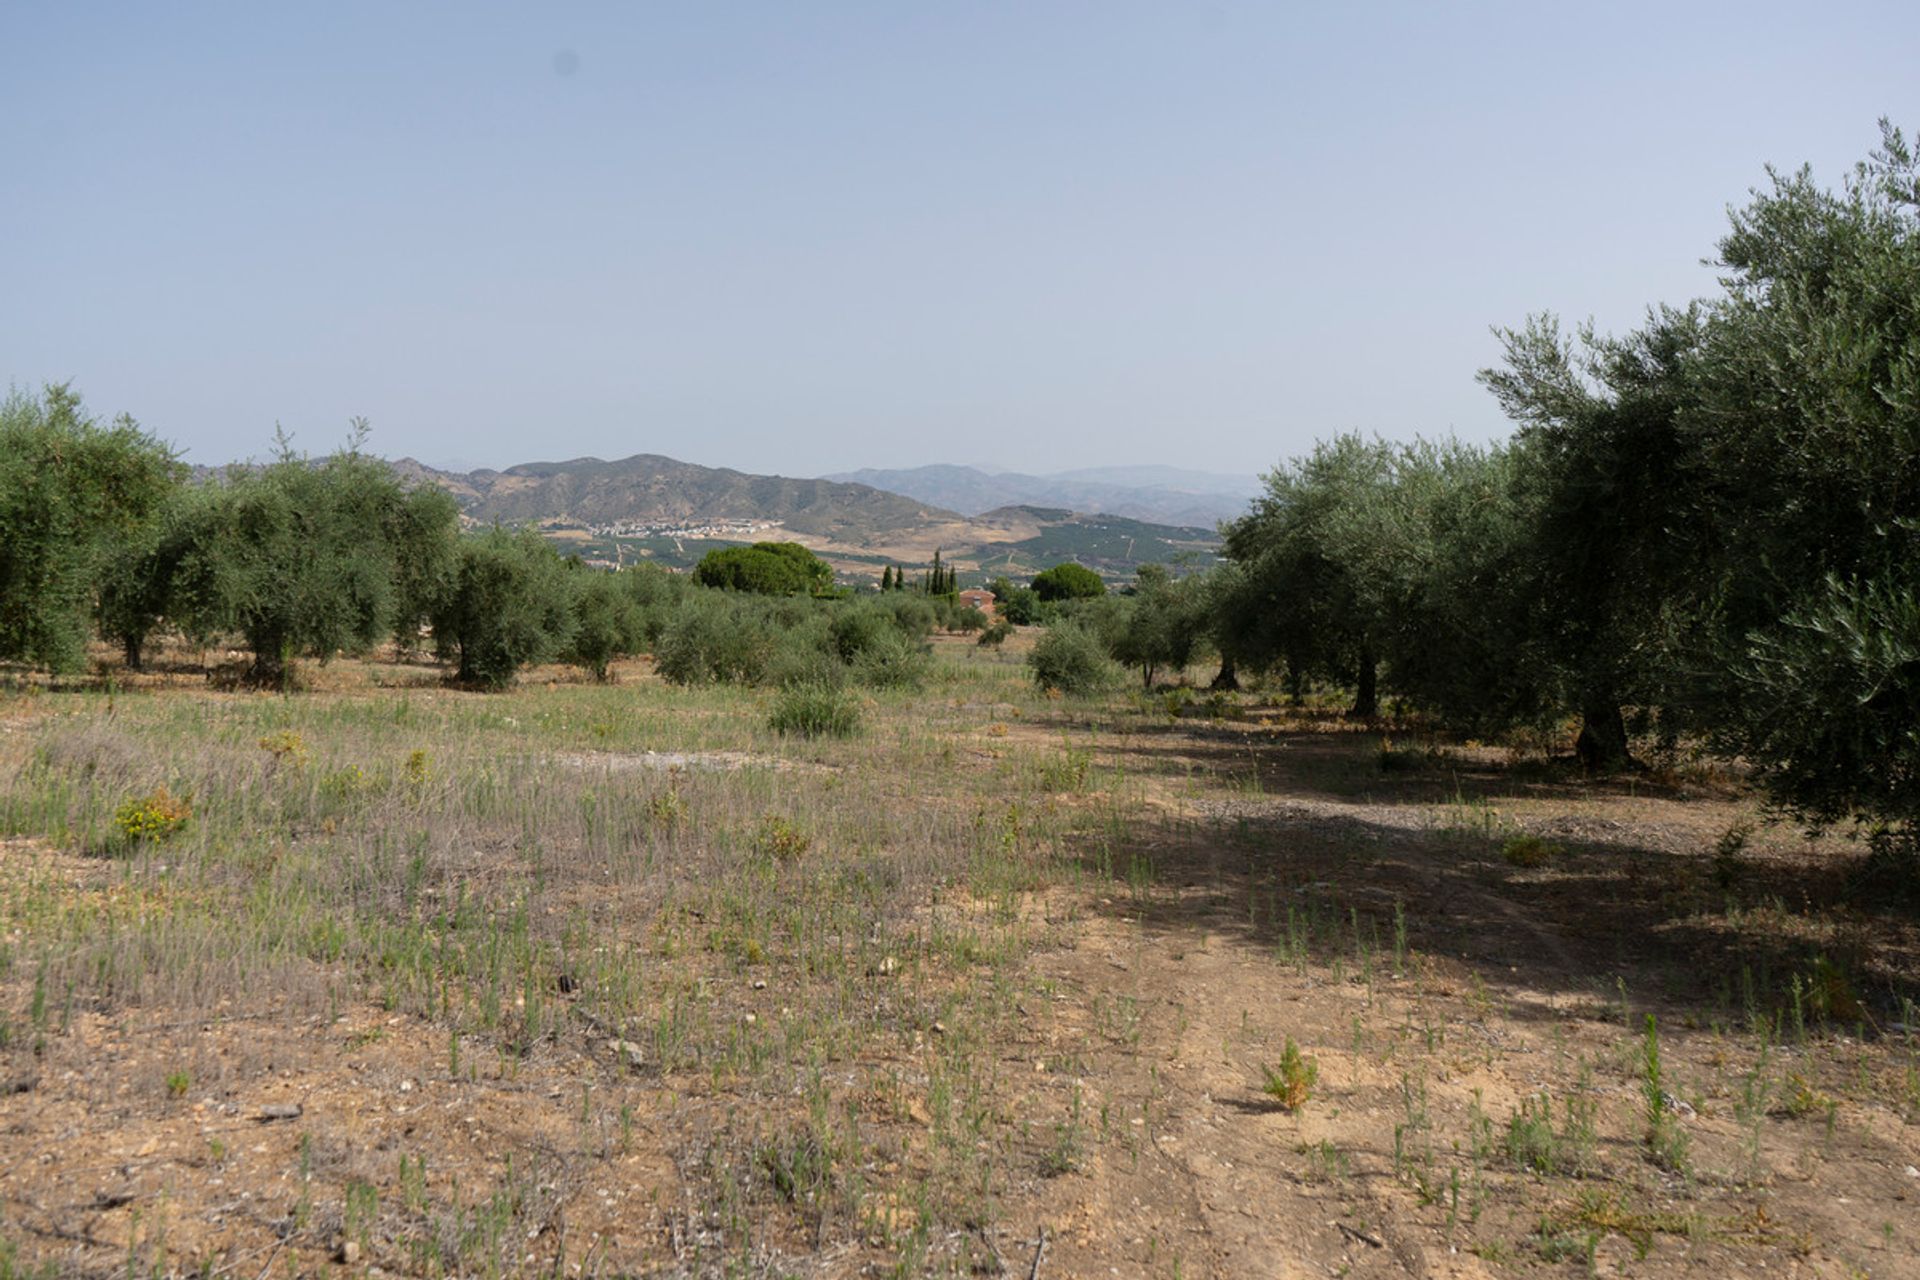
657,507
1164,495
650,488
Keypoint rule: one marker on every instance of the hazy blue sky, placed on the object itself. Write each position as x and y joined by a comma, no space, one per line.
809,236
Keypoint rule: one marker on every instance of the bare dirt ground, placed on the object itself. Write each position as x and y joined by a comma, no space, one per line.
1051,1064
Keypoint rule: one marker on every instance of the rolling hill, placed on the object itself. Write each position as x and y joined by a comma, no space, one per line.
658,508
651,489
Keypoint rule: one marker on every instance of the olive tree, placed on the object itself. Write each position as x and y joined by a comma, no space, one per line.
71,491
1316,552
312,558
1808,412
509,604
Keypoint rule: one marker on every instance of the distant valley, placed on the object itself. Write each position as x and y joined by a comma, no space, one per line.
651,507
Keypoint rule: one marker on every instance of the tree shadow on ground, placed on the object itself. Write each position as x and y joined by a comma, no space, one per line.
1340,763
1304,867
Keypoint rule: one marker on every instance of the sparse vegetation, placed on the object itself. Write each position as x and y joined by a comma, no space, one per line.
780,926
786,928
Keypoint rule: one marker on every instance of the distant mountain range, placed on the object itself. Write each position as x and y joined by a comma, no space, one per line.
672,512
1165,495
649,488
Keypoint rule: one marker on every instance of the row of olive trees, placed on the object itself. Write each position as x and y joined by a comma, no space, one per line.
1709,526
104,533
100,530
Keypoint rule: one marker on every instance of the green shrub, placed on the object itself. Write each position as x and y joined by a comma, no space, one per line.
608,623
159,815
798,665
996,635
1529,852
815,711
714,639
856,628
1071,659
895,662
1021,606
914,615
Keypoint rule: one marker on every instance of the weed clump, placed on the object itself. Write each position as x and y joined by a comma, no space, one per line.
1666,1141
1291,1083
667,808
286,747
1533,1142
157,816
417,771
815,711
1529,852
1727,851
1400,759
349,782
778,838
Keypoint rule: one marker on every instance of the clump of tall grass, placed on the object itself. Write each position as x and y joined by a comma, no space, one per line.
815,711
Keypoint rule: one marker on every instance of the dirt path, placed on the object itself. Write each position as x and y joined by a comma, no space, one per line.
1216,1179
1396,1165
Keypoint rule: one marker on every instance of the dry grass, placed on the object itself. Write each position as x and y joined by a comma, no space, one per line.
609,979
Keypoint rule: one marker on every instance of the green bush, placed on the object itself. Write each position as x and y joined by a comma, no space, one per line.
855,628
1071,659
156,816
1021,606
716,640
1529,852
914,615
815,711
608,624
796,665
996,635
880,643
891,662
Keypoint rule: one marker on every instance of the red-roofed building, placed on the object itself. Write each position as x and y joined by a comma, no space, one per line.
980,598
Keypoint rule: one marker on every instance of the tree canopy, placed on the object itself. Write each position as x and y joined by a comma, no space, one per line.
72,491
306,558
765,568
1068,581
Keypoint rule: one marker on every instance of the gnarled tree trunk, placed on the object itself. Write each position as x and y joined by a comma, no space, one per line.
1602,744
1366,698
